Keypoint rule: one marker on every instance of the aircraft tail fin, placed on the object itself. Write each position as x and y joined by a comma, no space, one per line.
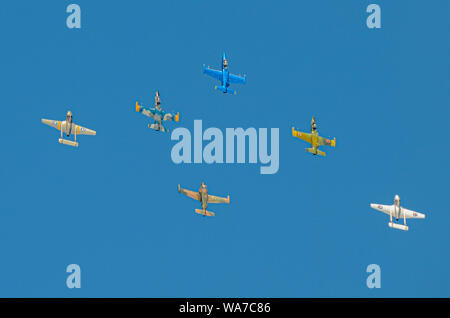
316,151
204,212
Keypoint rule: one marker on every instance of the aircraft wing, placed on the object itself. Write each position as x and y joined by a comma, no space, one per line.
214,199
52,123
146,111
327,142
80,130
382,208
213,73
412,214
237,79
189,193
305,136
170,116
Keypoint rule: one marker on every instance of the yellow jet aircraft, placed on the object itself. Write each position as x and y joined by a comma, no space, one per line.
314,139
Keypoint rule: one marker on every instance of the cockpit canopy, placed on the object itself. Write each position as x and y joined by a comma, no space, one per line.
313,124
69,116
225,63
203,185
157,98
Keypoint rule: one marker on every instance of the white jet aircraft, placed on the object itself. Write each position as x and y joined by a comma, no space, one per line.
397,212
68,127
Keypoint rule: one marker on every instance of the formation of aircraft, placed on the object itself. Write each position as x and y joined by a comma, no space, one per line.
158,114
314,139
224,76
204,198
398,212
69,128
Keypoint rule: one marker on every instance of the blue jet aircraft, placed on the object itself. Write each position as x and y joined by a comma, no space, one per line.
224,76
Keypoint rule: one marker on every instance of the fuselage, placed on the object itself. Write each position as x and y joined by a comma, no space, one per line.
66,127
225,77
158,114
397,208
315,139
68,123
314,136
203,191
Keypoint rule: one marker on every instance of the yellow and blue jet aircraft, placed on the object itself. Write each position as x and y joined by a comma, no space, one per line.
158,114
314,139
225,77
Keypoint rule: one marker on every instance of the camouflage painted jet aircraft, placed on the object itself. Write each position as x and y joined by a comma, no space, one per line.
397,212
314,139
224,76
68,127
204,198
158,114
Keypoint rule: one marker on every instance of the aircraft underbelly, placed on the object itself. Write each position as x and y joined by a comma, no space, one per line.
397,212
314,141
66,128
204,198
225,77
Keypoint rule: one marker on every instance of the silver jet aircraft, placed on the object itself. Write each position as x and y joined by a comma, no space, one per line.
398,212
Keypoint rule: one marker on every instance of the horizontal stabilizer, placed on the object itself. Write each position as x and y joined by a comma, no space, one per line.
321,153
225,90
231,91
157,127
68,142
204,212
398,226
316,152
220,88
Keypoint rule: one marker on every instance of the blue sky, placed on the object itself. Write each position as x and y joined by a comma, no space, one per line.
112,205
